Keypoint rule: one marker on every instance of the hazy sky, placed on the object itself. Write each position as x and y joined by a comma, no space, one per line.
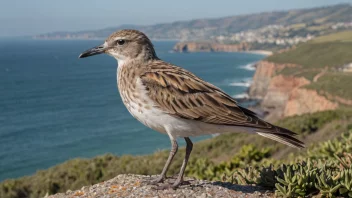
28,17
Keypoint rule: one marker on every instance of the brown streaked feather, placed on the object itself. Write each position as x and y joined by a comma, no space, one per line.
184,95
192,98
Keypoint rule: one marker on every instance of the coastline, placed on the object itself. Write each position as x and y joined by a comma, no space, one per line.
196,46
260,52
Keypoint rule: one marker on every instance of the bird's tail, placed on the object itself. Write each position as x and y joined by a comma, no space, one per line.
282,135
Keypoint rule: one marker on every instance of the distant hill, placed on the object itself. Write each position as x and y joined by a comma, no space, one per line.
206,28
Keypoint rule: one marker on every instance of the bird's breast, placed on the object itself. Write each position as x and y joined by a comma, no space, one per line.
138,103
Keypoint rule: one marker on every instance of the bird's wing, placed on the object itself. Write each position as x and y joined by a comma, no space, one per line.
180,93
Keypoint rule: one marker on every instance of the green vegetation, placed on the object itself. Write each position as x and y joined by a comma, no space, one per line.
326,170
225,157
317,55
337,84
345,36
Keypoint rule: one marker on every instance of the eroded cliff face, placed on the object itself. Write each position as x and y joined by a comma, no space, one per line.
279,91
284,96
303,101
210,47
264,73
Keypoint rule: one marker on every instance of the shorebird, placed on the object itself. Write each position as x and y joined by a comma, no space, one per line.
174,101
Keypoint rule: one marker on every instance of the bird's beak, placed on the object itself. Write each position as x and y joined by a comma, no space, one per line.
94,51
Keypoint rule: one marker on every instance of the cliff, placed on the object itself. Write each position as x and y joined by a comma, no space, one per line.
285,95
134,186
264,73
210,47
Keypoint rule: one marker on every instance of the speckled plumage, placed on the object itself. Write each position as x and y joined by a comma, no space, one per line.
172,100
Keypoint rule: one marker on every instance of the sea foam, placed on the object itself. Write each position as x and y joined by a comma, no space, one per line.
249,66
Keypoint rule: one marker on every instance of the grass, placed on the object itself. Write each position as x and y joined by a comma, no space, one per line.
316,55
335,83
310,74
220,151
345,36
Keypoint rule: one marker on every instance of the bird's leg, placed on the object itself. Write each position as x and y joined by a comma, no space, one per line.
173,151
189,147
179,180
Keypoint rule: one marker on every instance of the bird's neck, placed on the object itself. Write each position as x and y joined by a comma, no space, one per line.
135,62
121,62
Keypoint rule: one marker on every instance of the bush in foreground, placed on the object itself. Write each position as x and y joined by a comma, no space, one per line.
326,169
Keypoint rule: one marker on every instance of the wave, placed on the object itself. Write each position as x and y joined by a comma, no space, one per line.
241,96
249,66
243,83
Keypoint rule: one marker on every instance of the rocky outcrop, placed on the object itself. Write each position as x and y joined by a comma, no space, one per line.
135,186
302,101
279,90
264,73
210,47
284,96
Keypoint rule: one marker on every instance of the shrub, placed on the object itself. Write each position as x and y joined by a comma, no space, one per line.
326,170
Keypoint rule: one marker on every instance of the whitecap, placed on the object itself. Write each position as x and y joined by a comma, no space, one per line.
242,83
241,96
249,66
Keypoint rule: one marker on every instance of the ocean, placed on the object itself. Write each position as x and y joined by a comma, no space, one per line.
55,107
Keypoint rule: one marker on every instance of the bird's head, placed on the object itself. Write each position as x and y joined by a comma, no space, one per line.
125,45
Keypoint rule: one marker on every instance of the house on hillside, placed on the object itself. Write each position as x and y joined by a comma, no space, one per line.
347,67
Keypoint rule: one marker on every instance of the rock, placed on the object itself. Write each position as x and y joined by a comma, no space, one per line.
134,186
302,101
264,73
278,92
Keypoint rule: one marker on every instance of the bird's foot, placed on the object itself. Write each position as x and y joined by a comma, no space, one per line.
165,187
159,179
174,185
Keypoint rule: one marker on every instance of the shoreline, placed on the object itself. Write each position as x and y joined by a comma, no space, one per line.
260,52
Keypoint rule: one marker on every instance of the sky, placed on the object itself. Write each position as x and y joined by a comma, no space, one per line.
30,17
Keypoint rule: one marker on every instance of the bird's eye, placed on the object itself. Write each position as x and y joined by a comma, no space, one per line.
120,41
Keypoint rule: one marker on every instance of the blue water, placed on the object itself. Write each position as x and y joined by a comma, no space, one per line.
54,106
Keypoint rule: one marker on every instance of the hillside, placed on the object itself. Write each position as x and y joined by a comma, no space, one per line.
206,28
308,78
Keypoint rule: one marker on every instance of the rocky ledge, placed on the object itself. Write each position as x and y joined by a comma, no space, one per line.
135,186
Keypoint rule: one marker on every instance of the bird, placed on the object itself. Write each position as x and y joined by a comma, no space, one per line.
173,101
